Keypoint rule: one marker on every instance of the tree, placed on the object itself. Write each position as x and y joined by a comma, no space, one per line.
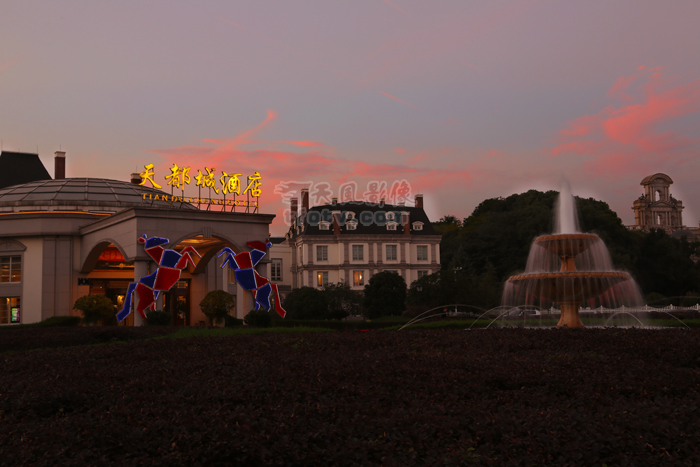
494,242
342,301
306,303
217,304
96,308
385,295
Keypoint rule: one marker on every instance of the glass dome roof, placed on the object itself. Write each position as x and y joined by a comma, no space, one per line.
107,195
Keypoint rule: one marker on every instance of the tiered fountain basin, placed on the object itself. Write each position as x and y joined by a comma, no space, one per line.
567,286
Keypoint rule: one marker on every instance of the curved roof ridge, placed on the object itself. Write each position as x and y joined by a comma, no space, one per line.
649,178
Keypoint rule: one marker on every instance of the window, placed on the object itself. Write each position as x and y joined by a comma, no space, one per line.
417,226
321,252
390,216
9,310
358,278
358,252
391,225
323,225
422,253
276,270
391,253
322,278
423,273
351,225
11,269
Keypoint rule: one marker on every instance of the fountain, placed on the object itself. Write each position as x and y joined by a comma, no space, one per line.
570,268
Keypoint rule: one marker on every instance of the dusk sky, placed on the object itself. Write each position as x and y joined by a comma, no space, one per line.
466,100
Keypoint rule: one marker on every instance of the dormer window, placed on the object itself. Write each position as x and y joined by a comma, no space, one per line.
390,216
417,226
324,225
391,225
352,225
349,216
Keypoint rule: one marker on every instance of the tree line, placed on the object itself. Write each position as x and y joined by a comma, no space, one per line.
480,252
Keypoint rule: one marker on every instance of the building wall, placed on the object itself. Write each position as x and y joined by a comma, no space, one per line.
32,280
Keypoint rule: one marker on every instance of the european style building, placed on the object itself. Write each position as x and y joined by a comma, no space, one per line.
350,242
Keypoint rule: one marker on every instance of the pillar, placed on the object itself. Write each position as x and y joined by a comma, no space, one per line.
140,270
244,301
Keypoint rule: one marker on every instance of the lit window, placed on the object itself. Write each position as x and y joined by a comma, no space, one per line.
423,273
11,269
422,253
276,270
322,278
358,278
358,252
323,225
391,253
321,252
9,310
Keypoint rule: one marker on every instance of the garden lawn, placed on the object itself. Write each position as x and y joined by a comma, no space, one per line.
435,397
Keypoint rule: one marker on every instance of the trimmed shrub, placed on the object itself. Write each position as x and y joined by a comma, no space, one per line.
217,304
158,318
230,321
259,318
97,308
306,303
61,321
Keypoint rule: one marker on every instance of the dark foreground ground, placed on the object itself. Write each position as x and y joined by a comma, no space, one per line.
498,397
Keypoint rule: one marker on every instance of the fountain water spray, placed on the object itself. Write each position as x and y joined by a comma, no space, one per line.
570,268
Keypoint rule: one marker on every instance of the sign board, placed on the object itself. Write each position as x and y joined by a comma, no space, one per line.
226,184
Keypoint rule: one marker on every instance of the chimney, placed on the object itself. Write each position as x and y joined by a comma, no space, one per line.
295,209
136,178
406,218
419,201
59,168
336,222
381,202
305,200
334,201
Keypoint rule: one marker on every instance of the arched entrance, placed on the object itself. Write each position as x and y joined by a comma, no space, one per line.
184,298
107,273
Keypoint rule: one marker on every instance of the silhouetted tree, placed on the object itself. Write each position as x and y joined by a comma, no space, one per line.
385,295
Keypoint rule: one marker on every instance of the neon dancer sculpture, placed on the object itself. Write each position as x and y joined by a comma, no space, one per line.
170,266
243,265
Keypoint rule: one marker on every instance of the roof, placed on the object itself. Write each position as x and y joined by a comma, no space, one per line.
21,167
363,228
99,193
648,179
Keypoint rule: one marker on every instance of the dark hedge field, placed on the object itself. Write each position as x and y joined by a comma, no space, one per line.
500,397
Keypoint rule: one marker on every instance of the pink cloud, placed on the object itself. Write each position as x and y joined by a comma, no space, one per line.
400,151
398,100
388,2
313,162
629,137
11,63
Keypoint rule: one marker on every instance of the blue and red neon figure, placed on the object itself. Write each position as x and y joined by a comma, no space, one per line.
243,265
170,266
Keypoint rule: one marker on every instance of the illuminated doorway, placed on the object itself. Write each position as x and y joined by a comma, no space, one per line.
177,302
